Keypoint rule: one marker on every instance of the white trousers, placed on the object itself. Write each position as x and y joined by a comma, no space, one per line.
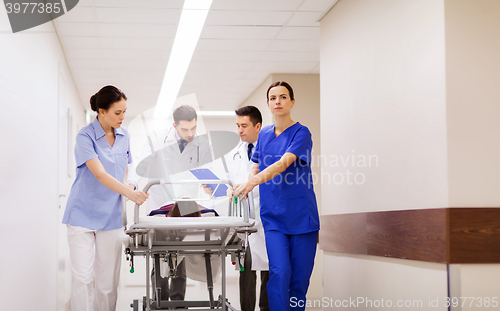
94,254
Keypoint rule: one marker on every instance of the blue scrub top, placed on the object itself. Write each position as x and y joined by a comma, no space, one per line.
287,202
90,204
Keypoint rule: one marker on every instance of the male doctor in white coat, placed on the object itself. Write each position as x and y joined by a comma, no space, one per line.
249,122
180,149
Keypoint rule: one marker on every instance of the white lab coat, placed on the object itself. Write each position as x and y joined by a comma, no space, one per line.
239,166
196,153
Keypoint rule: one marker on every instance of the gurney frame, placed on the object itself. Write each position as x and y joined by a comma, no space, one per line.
143,243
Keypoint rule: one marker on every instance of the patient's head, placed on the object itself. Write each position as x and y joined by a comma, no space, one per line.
185,209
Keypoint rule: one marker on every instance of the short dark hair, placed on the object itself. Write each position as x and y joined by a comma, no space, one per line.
282,83
252,112
106,97
184,112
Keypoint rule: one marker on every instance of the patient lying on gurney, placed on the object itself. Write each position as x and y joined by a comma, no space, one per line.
186,209
195,264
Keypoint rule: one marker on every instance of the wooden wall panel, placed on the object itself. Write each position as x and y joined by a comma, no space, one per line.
445,235
346,233
475,235
412,234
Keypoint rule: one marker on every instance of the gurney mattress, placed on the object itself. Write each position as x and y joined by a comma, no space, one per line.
180,223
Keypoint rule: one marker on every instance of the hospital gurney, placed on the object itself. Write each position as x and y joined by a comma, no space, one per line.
166,239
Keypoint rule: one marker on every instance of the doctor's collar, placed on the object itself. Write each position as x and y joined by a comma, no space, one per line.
177,138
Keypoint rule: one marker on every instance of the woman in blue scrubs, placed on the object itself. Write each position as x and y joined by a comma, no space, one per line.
289,211
93,211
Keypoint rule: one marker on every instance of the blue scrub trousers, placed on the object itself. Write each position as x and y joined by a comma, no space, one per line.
291,261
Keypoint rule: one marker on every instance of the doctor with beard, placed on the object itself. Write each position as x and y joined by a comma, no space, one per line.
249,122
176,150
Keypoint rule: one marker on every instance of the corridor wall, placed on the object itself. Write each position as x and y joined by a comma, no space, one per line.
37,99
408,98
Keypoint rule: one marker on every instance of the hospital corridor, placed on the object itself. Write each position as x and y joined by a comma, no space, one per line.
250,155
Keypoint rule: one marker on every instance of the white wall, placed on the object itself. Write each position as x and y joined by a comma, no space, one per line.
383,99
472,81
383,95
473,111
32,68
220,123
258,99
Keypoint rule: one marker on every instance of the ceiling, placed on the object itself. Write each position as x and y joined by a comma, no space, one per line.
127,43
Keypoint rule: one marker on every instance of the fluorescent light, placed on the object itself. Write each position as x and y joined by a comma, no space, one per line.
193,16
220,113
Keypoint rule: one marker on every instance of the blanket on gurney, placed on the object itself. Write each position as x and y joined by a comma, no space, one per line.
167,208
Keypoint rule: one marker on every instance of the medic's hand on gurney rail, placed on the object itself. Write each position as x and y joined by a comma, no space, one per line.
97,169
243,189
137,196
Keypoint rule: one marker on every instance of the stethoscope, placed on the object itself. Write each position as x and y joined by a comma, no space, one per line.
238,152
197,147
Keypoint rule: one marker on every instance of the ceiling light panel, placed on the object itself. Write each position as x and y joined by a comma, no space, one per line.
307,19
232,50
299,33
80,53
257,75
136,54
138,16
227,56
294,45
165,4
77,29
220,65
78,14
191,23
317,5
235,45
160,43
315,69
89,73
126,79
290,56
247,18
256,5
200,83
238,32
125,63
203,74
136,75
80,42
86,63
136,30
87,3
285,67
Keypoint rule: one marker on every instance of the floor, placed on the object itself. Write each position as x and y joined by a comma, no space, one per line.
132,286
